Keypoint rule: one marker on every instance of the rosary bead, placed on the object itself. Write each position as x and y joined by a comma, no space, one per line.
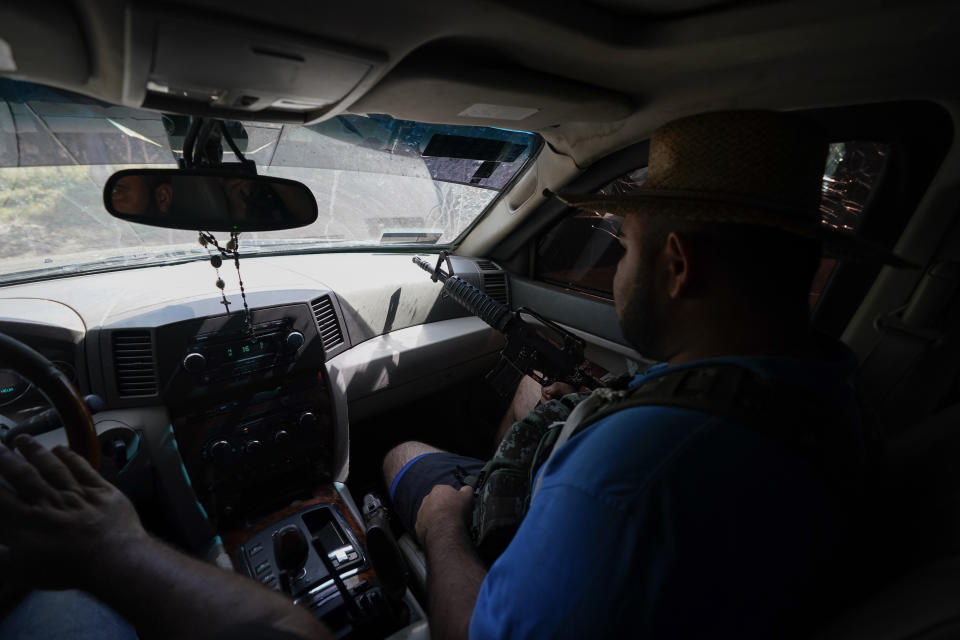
216,261
220,283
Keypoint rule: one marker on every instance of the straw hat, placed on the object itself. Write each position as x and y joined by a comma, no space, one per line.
739,167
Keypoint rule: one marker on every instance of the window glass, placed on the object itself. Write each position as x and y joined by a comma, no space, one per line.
377,180
852,173
581,252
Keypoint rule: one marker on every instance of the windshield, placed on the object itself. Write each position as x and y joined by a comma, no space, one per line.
378,181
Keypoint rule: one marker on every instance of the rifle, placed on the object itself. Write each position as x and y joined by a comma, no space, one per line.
545,358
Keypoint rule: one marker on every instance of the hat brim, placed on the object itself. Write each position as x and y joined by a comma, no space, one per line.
720,208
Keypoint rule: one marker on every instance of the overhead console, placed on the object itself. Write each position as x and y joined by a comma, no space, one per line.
221,67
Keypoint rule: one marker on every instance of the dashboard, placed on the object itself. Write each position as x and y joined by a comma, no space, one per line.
241,411
229,424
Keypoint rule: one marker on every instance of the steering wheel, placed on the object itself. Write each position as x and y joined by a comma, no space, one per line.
66,400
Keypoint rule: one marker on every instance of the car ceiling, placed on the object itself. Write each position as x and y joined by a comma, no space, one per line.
599,74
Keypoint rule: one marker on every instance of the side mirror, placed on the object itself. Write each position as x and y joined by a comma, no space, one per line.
208,200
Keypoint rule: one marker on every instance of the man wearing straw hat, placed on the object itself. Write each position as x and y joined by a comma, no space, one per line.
709,499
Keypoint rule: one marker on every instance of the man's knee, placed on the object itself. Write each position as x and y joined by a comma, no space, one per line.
400,455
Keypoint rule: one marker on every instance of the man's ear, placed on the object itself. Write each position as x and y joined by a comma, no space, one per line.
676,257
164,197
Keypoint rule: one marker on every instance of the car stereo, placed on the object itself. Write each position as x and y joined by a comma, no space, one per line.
213,356
251,407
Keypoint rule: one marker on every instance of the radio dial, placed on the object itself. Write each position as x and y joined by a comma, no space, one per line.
253,446
294,341
220,451
307,420
281,436
194,362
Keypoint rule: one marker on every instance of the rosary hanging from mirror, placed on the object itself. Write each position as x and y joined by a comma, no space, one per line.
207,240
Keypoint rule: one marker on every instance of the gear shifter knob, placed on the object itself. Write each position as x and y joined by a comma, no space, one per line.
290,548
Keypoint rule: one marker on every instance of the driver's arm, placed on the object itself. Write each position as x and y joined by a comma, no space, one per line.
64,526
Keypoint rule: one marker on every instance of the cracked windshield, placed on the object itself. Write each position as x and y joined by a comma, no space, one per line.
377,181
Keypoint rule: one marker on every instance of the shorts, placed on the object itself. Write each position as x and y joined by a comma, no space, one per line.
418,477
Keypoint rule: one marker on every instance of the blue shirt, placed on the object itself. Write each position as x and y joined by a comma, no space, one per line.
667,522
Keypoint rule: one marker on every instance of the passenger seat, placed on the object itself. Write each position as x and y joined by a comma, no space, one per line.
416,562
919,525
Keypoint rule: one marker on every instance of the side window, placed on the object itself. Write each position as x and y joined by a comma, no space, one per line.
852,174
581,253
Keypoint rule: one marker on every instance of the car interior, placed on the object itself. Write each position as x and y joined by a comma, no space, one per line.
239,402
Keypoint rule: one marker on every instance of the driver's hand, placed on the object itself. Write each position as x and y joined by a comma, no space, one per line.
58,518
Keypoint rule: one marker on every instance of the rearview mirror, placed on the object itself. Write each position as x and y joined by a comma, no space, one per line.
208,200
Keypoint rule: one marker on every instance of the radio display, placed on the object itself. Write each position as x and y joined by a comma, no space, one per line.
239,350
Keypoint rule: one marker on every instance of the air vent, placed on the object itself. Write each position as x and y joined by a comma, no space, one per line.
495,286
330,333
486,265
133,363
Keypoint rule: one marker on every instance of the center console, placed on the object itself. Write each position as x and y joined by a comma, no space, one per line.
251,409
314,552
248,457
255,423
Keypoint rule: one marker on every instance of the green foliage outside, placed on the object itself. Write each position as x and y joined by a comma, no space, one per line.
57,210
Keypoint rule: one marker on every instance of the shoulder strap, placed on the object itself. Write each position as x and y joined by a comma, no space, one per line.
792,415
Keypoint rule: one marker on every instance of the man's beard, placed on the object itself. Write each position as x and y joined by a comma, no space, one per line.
639,321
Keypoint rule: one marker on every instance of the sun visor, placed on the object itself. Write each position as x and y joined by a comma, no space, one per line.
26,31
506,97
227,69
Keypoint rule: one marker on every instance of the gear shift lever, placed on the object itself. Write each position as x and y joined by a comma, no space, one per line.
290,549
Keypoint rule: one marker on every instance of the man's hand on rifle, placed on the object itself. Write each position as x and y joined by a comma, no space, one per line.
555,390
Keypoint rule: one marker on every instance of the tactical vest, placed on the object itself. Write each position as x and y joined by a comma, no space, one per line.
795,416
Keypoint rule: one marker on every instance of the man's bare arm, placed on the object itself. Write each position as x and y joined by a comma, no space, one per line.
66,527
165,594
454,572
